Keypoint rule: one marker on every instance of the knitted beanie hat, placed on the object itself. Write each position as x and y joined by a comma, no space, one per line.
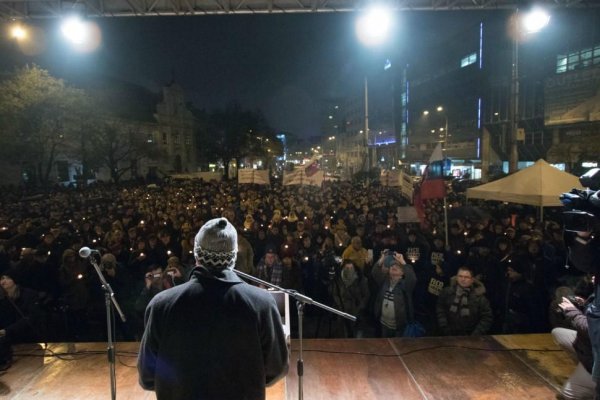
13,274
215,245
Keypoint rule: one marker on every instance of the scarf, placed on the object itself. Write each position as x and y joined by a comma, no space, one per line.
461,301
348,277
273,275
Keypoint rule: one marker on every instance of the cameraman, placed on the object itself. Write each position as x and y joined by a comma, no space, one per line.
584,251
576,342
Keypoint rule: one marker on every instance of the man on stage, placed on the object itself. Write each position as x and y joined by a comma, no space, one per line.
214,337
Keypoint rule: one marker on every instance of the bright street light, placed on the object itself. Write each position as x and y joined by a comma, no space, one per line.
84,36
535,20
530,22
18,32
74,30
440,109
373,27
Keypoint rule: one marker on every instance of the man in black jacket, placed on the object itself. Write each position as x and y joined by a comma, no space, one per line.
214,337
584,253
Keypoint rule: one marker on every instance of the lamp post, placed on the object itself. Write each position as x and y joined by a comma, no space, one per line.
514,88
440,109
372,29
367,125
531,22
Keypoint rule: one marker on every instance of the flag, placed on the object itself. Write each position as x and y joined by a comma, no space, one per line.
433,185
312,167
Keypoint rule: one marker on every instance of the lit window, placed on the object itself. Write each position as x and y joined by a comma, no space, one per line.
468,60
561,64
583,58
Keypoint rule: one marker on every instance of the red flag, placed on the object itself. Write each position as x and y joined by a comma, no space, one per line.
433,185
312,167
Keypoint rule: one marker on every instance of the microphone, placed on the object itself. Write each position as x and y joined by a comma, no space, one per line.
85,252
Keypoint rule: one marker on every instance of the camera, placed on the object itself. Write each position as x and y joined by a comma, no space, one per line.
583,205
577,301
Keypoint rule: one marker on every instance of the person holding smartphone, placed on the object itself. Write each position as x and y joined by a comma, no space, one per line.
154,283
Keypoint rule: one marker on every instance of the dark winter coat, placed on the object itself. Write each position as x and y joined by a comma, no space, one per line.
214,337
350,299
21,317
480,317
402,303
582,344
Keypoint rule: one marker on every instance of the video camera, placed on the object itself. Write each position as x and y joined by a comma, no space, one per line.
583,206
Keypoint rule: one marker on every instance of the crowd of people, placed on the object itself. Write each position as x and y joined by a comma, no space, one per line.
343,245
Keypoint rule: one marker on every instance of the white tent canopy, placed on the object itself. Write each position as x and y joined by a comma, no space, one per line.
538,185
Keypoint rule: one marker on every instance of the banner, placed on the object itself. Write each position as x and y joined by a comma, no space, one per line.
406,185
390,177
205,176
250,175
298,177
407,215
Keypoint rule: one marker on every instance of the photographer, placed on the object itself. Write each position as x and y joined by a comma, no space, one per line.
154,283
576,342
581,230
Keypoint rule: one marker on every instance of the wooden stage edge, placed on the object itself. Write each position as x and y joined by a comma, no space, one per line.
487,367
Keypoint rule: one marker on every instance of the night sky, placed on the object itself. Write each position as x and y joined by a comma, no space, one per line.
285,65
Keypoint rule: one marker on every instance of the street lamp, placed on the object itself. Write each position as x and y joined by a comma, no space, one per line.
531,22
18,32
83,35
440,109
372,29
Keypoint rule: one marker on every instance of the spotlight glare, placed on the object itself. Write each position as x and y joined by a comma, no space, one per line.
18,32
374,26
74,30
535,20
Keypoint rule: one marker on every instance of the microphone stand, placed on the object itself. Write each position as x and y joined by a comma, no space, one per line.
301,301
109,297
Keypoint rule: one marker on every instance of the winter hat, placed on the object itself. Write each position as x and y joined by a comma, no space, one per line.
215,245
13,274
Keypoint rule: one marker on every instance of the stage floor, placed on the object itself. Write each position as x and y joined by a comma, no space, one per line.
487,367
